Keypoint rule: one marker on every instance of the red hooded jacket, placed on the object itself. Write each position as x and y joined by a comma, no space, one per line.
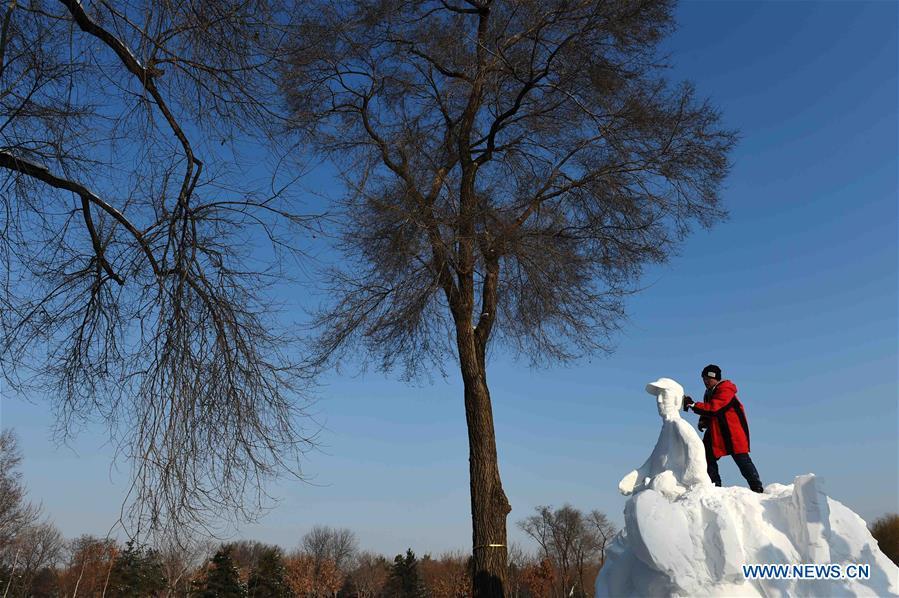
727,419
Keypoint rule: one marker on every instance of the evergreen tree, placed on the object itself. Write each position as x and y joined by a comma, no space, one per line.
221,579
267,579
136,573
404,581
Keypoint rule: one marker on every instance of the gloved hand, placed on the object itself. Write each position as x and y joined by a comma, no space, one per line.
687,402
703,423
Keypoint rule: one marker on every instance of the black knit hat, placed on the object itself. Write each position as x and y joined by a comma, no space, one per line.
711,371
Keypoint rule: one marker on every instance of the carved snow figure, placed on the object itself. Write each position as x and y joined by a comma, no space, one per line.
685,537
679,449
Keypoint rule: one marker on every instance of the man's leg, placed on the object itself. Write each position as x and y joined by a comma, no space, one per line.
747,468
710,460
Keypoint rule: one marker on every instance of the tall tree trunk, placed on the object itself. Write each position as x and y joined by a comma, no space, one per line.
489,505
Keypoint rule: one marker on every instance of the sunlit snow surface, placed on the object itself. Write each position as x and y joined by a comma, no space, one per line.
685,537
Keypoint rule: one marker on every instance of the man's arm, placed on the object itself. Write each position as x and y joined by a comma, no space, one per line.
719,399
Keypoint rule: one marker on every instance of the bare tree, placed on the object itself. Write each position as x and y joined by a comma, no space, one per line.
16,512
326,543
38,547
573,542
560,535
180,561
512,166
245,555
131,289
370,574
27,545
604,531
89,565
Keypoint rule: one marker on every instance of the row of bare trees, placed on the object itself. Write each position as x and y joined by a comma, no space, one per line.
90,566
510,167
35,560
569,556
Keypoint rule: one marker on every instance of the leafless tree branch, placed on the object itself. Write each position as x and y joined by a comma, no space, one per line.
121,136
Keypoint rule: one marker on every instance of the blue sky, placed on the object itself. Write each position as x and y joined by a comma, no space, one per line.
795,296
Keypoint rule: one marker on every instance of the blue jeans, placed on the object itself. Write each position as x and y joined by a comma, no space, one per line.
743,461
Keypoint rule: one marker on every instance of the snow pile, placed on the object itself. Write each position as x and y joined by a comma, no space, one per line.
685,537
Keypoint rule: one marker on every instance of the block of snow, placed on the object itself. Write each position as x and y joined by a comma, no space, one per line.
685,537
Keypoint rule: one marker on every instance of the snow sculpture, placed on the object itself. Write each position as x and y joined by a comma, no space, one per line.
685,537
678,452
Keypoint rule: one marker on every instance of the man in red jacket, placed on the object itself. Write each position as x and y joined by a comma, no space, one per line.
727,432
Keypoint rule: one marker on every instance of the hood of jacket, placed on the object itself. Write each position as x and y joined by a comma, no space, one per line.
727,385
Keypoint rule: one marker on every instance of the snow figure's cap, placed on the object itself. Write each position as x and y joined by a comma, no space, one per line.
655,388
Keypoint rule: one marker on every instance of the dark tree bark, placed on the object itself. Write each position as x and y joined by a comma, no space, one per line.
489,505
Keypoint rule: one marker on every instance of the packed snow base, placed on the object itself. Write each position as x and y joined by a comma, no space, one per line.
685,537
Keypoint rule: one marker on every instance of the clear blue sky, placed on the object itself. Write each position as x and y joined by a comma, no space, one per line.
795,296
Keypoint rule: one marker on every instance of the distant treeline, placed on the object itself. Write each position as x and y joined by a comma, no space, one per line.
35,561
